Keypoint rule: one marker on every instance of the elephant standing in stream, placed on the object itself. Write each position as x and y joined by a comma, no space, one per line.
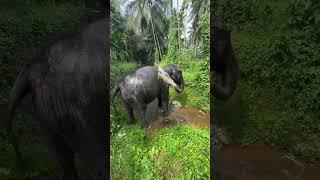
140,88
224,64
68,83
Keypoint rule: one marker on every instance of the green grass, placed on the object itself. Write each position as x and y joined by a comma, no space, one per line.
180,152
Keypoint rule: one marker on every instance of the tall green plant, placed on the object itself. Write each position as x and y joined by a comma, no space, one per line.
173,40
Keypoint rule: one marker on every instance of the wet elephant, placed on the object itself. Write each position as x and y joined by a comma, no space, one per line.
140,88
68,85
224,64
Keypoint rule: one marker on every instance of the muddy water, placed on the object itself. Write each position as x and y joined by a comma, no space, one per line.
254,162
193,117
260,162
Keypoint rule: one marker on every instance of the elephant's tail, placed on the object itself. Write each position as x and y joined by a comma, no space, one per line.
18,92
116,90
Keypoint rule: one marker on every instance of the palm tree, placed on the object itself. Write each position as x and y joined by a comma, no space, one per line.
178,25
146,14
198,8
182,16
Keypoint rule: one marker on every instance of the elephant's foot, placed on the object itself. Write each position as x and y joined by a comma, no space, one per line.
143,123
131,122
163,112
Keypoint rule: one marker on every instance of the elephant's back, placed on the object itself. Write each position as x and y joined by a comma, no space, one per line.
147,70
143,83
147,74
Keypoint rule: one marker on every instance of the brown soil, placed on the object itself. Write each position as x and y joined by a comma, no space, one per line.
181,116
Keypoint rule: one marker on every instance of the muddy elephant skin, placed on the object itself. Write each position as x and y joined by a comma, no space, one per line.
140,88
69,88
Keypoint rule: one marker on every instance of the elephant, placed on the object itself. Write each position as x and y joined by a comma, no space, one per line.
141,87
224,64
68,83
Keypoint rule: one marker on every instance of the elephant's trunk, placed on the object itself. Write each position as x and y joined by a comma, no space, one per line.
180,88
225,87
223,92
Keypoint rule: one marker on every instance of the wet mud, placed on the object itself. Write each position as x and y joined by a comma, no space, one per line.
178,116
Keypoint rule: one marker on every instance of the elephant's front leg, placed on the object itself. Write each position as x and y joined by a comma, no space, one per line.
142,110
160,104
165,101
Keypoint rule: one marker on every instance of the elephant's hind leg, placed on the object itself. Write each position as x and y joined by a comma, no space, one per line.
60,151
131,119
142,110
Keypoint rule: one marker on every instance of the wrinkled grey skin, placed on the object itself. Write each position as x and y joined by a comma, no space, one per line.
68,85
140,88
225,65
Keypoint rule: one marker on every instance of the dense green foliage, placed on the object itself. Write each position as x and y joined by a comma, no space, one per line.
195,67
178,152
277,45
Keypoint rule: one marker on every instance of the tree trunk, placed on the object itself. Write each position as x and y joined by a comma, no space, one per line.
178,25
159,47
155,36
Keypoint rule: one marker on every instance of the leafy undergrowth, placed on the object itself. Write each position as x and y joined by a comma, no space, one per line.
181,152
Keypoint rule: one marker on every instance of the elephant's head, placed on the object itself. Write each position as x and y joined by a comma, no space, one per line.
176,75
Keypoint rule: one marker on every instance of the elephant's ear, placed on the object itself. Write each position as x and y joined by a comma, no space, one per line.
165,77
